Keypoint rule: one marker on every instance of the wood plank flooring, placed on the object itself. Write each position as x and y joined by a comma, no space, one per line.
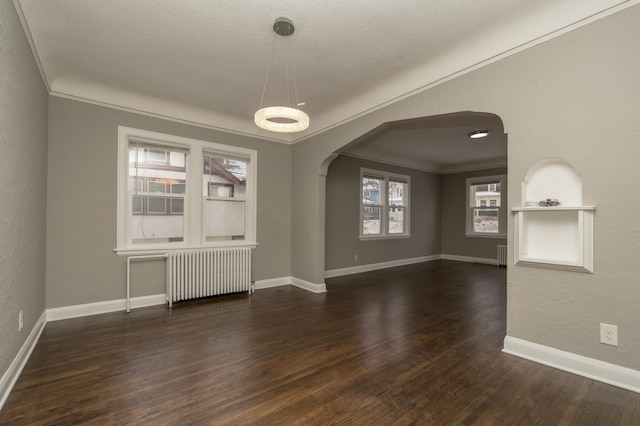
414,345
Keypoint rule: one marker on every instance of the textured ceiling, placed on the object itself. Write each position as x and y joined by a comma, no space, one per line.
205,61
438,144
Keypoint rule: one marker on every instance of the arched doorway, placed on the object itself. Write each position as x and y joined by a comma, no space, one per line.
437,156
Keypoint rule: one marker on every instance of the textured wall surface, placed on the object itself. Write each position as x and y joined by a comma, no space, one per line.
454,219
81,218
575,97
343,211
23,171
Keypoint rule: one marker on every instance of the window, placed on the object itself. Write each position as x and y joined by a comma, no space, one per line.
183,193
384,206
486,214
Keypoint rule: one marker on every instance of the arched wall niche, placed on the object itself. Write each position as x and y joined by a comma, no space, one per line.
552,178
553,229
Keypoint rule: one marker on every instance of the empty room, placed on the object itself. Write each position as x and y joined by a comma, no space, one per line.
303,213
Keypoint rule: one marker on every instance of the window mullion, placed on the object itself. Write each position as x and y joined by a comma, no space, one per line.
384,214
193,197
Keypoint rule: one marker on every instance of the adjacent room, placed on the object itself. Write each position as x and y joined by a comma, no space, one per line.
300,213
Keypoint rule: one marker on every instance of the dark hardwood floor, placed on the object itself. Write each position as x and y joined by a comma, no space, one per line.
419,344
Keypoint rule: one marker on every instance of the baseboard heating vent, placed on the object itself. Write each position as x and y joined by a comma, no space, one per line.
192,274
502,255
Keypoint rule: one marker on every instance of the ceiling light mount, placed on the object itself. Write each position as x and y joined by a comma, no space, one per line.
283,27
478,134
282,119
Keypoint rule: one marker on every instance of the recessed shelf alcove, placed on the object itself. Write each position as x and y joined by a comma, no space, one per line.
556,236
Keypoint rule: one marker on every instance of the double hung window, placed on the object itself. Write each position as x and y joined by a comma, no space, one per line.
486,214
384,206
176,192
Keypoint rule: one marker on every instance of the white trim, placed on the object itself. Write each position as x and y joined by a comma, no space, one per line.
309,286
198,116
145,252
382,265
324,126
273,282
430,168
383,237
10,377
486,235
193,201
172,111
469,259
32,45
605,372
383,202
502,208
76,311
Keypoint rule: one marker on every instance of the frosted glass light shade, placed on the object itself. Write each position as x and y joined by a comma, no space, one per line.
294,120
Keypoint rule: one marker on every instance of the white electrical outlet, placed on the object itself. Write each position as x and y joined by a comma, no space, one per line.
20,321
609,334
355,257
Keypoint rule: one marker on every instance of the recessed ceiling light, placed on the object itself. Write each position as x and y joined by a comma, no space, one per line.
479,134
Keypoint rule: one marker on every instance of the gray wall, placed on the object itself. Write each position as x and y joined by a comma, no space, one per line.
23,172
343,212
576,97
453,188
81,217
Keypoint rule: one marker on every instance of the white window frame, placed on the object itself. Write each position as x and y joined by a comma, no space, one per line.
193,200
502,208
384,204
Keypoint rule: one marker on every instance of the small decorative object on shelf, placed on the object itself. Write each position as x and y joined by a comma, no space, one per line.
549,203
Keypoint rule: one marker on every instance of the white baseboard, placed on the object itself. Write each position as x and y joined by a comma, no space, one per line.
309,286
273,282
470,259
10,377
612,374
296,282
76,311
375,266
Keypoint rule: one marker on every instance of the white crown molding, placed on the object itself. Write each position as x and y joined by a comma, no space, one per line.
34,51
474,55
174,112
605,372
10,377
471,167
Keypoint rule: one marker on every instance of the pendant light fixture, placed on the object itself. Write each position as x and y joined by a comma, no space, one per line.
282,119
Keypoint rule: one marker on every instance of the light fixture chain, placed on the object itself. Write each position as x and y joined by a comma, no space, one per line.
293,71
287,68
266,79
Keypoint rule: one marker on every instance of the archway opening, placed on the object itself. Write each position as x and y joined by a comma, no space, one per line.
438,159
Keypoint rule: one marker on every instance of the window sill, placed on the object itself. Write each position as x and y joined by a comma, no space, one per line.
383,237
159,251
477,235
